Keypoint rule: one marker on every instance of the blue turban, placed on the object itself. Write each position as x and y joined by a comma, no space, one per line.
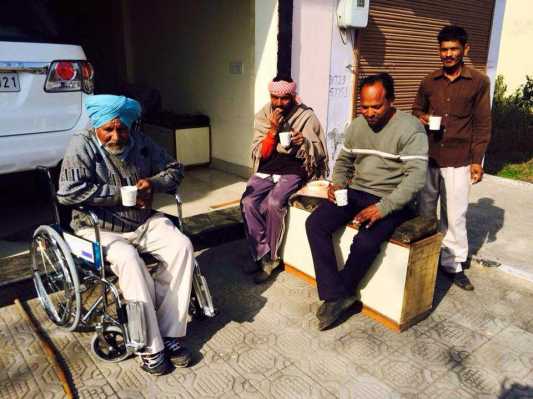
104,107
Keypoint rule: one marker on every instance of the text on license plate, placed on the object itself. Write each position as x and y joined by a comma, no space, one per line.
9,81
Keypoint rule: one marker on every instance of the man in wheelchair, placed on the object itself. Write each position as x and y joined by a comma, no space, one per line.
97,163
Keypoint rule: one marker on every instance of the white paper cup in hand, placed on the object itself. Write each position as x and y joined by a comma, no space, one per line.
434,122
129,195
285,138
341,197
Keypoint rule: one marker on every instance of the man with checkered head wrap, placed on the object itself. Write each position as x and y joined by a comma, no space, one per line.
279,170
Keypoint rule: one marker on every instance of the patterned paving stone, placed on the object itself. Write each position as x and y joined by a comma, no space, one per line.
519,339
264,344
478,380
215,381
526,325
505,360
12,388
363,349
292,383
511,358
257,364
229,340
481,320
405,374
363,324
456,335
330,370
364,386
267,320
428,351
293,342
447,387
97,392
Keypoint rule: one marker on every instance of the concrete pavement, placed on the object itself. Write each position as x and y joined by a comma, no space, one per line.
264,344
500,224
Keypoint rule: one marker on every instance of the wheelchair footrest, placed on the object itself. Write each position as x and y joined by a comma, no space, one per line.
202,293
134,325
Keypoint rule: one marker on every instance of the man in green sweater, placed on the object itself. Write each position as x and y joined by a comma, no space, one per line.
383,165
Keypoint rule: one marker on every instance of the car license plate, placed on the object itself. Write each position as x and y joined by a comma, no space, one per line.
9,82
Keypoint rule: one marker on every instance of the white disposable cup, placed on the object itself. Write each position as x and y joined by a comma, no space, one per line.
285,138
129,195
341,197
434,122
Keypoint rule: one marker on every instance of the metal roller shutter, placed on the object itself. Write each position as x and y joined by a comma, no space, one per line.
401,39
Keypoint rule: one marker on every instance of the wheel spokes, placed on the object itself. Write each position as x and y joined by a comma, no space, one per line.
53,281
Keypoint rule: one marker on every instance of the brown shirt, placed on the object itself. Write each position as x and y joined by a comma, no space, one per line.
464,105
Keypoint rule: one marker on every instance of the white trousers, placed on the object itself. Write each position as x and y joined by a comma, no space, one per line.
452,185
165,296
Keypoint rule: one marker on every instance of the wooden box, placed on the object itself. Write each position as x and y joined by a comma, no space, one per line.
191,146
397,290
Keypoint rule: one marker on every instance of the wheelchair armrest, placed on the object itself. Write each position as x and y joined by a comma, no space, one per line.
179,207
93,219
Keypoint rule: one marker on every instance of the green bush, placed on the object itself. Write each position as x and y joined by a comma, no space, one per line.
512,125
511,147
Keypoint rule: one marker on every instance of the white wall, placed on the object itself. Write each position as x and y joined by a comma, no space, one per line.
319,60
494,44
184,49
340,93
266,47
311,49
515,59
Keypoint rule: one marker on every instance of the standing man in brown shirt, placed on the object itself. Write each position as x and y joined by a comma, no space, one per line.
460,96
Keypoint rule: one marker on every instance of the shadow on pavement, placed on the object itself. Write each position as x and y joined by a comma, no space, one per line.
483,221
442,285
515,391
237,298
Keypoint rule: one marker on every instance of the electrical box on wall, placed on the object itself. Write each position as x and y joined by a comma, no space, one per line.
352,13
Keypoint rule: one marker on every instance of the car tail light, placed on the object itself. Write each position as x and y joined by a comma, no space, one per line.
65,76
65,70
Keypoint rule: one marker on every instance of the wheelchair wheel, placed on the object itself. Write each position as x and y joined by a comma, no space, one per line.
110,346
55,278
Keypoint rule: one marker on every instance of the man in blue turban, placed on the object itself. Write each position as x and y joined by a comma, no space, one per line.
98,162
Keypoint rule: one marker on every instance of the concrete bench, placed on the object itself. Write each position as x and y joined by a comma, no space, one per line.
398,289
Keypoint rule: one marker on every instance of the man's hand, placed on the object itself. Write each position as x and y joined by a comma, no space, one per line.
331,192
144,194
275,120
369,215
424,118
297,138
476,173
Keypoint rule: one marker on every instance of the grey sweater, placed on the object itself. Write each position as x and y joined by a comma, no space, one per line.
390,164
91,176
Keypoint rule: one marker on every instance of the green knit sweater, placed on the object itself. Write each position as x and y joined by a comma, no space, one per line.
390,163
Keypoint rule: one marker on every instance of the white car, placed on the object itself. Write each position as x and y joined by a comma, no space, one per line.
42,91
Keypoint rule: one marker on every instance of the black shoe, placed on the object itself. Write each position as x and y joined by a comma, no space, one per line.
460,279
321,309
330,311
179,355
156,364
267,267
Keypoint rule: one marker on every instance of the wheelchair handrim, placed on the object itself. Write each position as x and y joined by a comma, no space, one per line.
67,314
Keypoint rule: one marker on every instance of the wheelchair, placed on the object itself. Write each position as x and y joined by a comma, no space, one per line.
78,293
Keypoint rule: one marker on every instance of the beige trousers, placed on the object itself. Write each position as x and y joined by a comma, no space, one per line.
165,296
452,185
